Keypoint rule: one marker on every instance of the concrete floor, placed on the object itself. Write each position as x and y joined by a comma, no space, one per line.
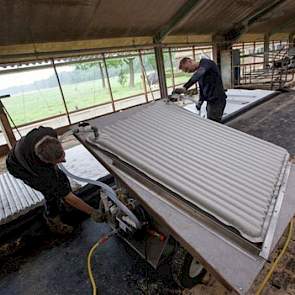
273,121
55,266
59,267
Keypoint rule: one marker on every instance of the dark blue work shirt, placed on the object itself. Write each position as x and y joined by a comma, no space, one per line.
209,79
23,163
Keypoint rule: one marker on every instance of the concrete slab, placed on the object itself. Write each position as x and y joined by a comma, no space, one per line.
81,163
237,99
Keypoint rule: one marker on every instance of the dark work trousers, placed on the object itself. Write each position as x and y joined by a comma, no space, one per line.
215,109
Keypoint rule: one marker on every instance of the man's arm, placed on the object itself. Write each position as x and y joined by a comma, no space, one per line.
78,203
60,183
195,77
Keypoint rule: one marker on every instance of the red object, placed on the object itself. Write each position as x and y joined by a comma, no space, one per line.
104,239
156,234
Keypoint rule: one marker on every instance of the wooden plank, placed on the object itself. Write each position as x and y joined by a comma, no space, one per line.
6,128
73,45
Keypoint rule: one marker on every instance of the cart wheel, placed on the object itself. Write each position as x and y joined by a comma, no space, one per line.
186,270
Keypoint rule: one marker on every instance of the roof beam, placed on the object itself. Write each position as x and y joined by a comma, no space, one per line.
284,26
180,16
243,26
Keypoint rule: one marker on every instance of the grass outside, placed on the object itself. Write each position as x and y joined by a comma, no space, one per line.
43,103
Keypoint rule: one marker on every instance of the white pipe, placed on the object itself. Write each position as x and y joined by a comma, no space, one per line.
108,190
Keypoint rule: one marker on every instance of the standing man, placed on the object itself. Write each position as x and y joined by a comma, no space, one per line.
207,74
34,160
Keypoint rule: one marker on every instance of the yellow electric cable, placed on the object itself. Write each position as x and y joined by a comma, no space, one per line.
275,263
102,240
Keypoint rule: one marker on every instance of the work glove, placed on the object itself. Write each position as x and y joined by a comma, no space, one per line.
98,216
179,90
192,92
199,105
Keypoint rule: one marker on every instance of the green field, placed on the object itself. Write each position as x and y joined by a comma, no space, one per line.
43,103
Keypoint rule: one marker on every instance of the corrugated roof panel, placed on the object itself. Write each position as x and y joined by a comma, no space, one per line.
211,17
278,20
82,20
229,174
79,20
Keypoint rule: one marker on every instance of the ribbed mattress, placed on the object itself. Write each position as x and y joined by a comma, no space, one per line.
16,198
229,174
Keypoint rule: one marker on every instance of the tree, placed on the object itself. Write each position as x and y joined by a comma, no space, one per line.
86,66
122,77
102,74
150,60
115,62
130,62
118,63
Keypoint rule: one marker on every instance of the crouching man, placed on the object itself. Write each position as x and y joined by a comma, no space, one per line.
34,160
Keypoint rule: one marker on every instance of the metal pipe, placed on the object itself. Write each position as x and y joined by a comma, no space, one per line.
39,56
148,82
143,75
172,70
161,71
254,56
61,91
109,83
93,59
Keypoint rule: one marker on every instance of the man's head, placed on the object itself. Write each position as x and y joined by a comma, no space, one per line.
50,150
188,65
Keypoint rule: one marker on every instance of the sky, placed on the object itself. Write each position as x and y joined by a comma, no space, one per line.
28,77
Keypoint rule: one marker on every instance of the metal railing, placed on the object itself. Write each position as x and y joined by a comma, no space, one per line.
274,71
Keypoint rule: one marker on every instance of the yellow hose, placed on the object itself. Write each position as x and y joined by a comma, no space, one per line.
275,263
101,241
104,238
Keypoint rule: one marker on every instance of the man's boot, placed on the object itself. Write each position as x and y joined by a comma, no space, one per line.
55,225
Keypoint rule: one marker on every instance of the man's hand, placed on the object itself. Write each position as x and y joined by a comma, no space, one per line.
179,90
199,105
98,216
